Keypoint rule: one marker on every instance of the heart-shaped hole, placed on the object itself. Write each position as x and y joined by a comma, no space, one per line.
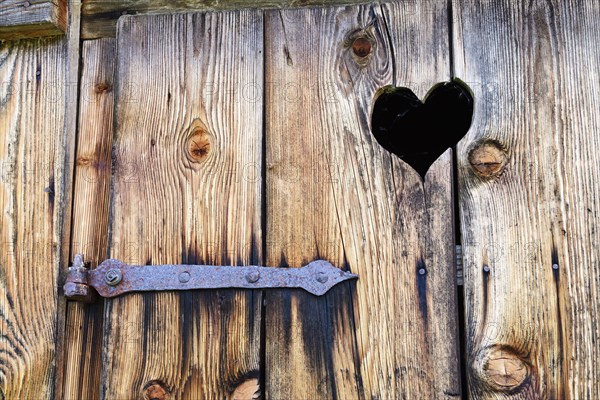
420,131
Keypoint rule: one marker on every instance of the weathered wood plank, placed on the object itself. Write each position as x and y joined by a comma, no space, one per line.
531,329
90,213
334,193
37,120
99,17
187,146
33,18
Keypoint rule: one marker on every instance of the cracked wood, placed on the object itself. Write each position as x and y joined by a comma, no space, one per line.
37,120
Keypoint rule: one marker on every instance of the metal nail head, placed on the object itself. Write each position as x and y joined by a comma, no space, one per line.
184,277
322,277
252,276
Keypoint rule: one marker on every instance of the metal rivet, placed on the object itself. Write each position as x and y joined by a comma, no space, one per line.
184,277
486,268
113,277
422,271
252,276
554,266
322,277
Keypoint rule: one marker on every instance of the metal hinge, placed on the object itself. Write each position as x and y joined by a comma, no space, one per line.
459,265
113,278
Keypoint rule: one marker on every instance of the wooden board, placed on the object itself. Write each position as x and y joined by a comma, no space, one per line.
37,123
33,18
90,213
99,17
333,193
188,140
531,329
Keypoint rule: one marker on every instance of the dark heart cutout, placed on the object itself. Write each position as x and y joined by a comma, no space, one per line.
419,132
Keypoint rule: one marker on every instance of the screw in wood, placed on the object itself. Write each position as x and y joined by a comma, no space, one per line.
486,268
554,266
422,271
26,4
113,277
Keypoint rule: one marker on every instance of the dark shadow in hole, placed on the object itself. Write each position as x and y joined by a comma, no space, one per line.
419,132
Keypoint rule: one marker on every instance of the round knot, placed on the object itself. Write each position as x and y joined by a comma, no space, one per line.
361,47
156,390
502,369
488,158
198,142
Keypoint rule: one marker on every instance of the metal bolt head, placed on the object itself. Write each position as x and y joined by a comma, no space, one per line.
422,271
554,266
321,277
113,277
252,276
486,269
184,277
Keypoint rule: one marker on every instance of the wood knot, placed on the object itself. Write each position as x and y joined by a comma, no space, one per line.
198,143
361,47
84,161
247,390
488,158
502,369
361,42
156,390
102,88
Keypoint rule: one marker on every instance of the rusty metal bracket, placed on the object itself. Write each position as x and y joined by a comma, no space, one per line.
113,278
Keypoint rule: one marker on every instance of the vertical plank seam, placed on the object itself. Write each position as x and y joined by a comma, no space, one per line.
262,353
72,53
460,311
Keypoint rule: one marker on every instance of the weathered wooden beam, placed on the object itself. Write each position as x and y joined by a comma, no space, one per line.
21,19
187,145
332,192
38,106
83,350
528,186
99,17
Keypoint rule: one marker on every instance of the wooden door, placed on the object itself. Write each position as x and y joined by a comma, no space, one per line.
216,161
244,137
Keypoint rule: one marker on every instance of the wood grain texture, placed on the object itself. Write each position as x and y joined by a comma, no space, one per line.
90,213
333,193
37,121
99,17
532,329
33,18
188,142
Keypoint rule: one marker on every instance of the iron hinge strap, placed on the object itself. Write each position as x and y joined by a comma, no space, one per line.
113,278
